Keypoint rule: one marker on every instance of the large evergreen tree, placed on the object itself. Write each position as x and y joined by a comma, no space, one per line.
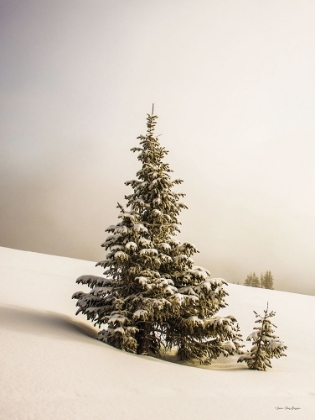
266,344
152,296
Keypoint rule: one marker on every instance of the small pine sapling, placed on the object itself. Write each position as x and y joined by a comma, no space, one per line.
266,344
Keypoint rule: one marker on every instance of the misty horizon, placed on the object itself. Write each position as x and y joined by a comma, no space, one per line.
233,88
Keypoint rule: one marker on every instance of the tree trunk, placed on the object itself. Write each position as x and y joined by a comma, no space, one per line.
142,338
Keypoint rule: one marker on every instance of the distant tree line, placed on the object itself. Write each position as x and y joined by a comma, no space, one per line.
265,281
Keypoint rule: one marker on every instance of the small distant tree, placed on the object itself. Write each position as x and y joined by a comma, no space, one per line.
267,280
255,281
252,280
151,296
261,281
266,344
248,280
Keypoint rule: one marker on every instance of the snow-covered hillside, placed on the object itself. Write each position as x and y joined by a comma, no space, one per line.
53,368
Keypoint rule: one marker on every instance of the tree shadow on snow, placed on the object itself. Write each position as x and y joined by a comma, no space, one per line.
44,323
62,327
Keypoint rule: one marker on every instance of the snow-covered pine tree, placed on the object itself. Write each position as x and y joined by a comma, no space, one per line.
266,344
152,296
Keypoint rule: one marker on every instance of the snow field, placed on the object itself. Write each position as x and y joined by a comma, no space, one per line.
53,368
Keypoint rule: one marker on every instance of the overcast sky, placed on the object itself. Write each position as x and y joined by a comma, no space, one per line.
233,84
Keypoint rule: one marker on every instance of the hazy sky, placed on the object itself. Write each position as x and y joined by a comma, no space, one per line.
233,84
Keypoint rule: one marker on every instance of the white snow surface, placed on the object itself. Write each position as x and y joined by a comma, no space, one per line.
53,368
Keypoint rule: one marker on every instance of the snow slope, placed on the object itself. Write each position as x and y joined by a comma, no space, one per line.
53,368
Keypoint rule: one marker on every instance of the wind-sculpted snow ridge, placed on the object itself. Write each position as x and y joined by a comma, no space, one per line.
53,368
